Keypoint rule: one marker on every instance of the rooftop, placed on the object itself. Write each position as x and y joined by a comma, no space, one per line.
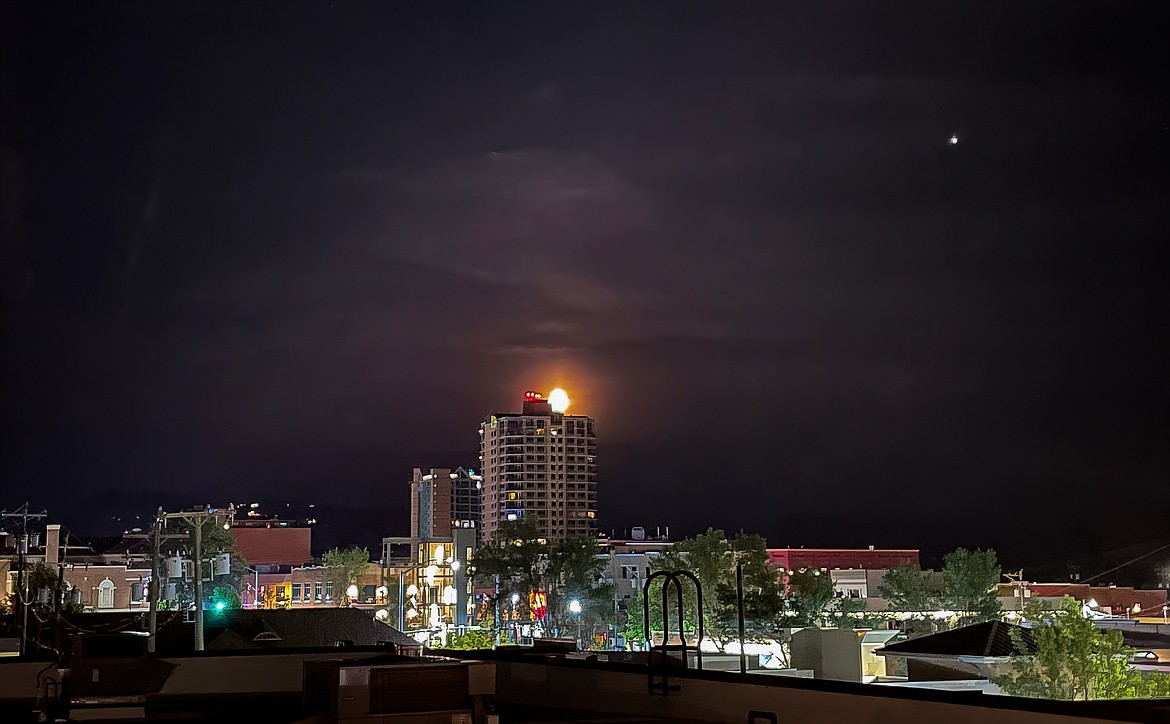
989,639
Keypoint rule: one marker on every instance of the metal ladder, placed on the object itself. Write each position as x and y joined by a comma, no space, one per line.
658,676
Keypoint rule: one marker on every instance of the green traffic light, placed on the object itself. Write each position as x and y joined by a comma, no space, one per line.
220,605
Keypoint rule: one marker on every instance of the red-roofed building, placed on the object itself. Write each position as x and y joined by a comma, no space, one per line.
855,572
1115,600
867,559
272,548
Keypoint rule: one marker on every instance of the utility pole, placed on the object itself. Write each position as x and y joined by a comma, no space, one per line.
198,525
1017,579
153,593
739,601
499,623
154,590
195,519
22,583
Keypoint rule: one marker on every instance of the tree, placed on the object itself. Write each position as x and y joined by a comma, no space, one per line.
763,599
1066,656
471,640
809,593
906,588
845,608
970,579
40,576
224,598
598,609
571,574
524,562
712,557
517,556
346,566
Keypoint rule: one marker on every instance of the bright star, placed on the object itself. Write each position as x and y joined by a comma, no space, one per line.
954,139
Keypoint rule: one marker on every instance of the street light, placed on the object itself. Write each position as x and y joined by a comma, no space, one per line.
412,591
515,631
352,591
429,572
575,609
256,587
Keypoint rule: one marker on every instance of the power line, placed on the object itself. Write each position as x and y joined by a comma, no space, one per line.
1102,556
1129,562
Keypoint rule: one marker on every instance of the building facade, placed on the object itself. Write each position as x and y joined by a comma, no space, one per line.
869,559
1109,600
104,574
442,500
432,584
316,585
855,572
628,562
272,548
467,501
540,464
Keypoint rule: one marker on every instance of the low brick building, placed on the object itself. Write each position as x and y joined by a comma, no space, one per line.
100,581
314,586
1115,600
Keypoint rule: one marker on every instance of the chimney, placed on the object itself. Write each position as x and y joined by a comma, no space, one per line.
52,544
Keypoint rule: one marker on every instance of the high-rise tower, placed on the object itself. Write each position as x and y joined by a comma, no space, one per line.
540,463
441,500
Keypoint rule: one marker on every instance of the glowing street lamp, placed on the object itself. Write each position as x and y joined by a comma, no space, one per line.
352,591
575,609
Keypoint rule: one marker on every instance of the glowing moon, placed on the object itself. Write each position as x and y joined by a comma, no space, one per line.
558,400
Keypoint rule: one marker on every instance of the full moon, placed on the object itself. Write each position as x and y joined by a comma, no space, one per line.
558,400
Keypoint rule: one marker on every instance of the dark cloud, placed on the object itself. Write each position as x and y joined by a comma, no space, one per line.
308,249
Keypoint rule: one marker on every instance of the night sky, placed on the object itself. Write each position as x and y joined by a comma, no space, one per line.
290,250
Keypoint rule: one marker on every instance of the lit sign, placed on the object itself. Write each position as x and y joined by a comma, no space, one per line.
530,396
538,604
